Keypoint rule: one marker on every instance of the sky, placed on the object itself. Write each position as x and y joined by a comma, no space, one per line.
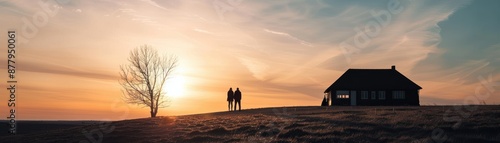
279,53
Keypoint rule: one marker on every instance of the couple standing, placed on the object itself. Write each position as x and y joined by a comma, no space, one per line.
236,96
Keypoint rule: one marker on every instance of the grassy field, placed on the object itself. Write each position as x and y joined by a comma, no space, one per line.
287,124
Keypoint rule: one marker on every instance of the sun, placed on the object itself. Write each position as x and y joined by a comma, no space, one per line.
174,86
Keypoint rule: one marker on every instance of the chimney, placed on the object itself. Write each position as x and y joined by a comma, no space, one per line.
393,67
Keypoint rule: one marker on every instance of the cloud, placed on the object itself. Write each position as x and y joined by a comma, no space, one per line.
289,36
203,31
410,37
153,3
42,67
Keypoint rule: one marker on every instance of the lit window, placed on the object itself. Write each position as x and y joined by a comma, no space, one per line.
364,94
343,96
374,95
381,95
398,94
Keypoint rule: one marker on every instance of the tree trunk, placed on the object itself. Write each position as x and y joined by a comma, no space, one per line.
153,114
156,110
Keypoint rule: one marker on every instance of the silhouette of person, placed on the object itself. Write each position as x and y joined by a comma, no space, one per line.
237,98
230,98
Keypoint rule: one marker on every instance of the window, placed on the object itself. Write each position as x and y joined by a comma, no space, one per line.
343,96
398,94
364,94
374,95
381,95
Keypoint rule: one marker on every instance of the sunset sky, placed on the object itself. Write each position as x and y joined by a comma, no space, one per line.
280,53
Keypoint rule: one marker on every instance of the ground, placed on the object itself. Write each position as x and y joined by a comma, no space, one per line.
284,124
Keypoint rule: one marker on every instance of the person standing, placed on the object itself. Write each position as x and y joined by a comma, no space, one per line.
237,98
230,98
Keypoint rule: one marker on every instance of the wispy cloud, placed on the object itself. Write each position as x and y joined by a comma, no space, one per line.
153,3
289,36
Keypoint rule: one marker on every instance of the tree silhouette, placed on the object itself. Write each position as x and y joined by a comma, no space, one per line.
144,76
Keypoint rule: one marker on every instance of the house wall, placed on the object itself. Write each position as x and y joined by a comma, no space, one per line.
339,101
411,99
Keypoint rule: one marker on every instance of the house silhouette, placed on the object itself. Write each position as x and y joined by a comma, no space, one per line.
373,87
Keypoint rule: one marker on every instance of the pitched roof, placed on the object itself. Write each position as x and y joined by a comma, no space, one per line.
372,79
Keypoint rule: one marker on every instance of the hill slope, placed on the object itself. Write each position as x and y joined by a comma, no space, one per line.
293,124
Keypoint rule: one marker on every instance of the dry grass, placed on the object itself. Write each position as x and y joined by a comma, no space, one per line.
294,124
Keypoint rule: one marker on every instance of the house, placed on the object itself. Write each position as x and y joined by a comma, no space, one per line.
373,87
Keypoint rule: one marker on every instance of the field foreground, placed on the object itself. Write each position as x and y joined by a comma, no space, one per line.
291,124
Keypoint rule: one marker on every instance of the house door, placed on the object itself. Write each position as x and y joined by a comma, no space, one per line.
353,97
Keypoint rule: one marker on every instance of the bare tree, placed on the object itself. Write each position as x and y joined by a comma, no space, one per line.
143,78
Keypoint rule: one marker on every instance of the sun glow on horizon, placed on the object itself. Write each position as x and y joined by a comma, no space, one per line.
175,86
